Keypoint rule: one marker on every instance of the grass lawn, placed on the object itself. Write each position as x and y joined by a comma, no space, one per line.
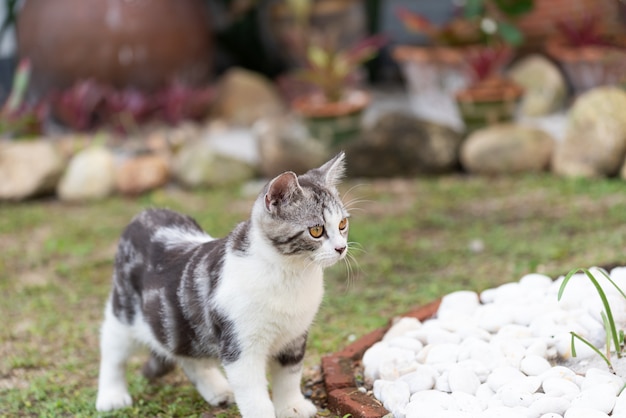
418,240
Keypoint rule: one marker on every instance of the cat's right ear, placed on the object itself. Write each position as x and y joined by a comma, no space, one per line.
281,190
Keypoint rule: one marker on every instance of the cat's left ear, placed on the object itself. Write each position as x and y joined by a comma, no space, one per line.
282,189
334,170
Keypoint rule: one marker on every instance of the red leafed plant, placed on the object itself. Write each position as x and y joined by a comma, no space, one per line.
487,62
89,104
585,33
18,117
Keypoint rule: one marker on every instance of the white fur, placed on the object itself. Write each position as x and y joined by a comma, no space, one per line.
270,298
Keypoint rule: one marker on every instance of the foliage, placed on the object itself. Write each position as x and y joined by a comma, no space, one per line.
478,22
584,33
89,104
18,117
330,69
612,334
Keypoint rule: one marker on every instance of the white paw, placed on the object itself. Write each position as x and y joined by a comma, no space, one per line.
221,399
111,399
301,408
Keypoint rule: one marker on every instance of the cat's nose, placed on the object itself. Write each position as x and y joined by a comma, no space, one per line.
340,250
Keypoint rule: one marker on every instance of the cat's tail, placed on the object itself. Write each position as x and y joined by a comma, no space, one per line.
157,366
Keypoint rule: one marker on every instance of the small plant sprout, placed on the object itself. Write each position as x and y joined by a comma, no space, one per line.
613,335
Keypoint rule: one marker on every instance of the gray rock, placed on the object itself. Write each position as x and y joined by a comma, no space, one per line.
400,144
90,175
199,164
244,96
595,138
285,145
507,148
545,89
28,169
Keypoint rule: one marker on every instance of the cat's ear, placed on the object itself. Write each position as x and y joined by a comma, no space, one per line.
281,190
334,170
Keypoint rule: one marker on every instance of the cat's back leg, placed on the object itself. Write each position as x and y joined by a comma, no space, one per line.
205,374
116,346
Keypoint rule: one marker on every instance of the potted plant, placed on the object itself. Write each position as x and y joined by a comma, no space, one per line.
588,56
435,72
490,98
331,103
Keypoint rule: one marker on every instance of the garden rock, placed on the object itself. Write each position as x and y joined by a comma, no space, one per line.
244,96
199,164
506,149
28,169
285,145
89,175
595,140
142,173
400,144
545,88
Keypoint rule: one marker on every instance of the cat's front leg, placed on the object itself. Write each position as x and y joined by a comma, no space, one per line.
247,379
286,369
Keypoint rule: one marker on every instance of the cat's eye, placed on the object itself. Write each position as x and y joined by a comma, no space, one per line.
316,231
343,224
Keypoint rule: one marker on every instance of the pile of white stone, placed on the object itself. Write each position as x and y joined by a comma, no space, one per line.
503,354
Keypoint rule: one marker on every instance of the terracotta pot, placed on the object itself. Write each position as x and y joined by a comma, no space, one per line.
333,123
141,43
494,100
588,66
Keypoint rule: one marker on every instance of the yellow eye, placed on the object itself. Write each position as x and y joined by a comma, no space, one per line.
343,224
316,231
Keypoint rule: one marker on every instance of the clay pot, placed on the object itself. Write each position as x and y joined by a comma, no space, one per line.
588,66
141,43
491,101
333,123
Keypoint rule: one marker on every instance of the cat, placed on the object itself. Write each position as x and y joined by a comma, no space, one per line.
245,301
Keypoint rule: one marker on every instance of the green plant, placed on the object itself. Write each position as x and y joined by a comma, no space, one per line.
331,69
613,335
478,22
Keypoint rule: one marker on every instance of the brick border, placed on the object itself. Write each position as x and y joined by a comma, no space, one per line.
338,372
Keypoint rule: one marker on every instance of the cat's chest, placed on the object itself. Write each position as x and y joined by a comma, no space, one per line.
270,294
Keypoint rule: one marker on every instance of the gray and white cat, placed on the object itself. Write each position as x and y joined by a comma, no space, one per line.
245,301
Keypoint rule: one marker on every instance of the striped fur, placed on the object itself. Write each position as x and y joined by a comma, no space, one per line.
244,301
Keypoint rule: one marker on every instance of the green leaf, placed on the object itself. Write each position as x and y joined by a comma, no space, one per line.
317,56
515,8
510,34
474,8
606,360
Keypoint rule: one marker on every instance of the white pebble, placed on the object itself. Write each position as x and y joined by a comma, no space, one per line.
467,402
601,398
595,377
549,404
421,379
537,348
442,353
406,343
551,415
533,365
442,383
577,412
559,371
395,395
504,411
401,327
462,379
560,387
442,336
619,410
535,281
463,301
502,375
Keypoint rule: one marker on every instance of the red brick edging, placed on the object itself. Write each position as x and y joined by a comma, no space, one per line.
343,395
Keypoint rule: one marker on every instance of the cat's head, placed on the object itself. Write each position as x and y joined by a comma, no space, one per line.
303,216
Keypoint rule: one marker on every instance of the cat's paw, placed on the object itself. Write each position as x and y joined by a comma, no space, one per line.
111,399
301,408
221,398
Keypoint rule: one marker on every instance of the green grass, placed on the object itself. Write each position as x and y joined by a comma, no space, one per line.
416,240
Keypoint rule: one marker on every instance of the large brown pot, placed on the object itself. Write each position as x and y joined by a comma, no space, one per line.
141,43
